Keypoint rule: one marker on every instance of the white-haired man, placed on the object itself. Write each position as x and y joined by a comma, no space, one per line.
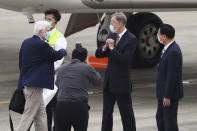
36,64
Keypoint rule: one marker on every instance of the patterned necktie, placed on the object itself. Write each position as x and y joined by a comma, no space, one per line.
117,40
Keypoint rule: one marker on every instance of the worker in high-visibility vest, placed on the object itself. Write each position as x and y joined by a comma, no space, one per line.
57,41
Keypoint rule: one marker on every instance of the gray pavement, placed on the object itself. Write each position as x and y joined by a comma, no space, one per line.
14,29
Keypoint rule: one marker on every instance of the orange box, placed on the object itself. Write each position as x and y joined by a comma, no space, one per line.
98,62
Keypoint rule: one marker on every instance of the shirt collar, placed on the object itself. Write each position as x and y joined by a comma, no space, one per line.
122,33
166,46
39,37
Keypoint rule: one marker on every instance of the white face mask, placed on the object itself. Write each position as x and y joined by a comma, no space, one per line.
51,24
161,42
48,35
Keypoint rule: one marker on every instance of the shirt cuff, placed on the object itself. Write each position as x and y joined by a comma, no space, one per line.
103,49
111,48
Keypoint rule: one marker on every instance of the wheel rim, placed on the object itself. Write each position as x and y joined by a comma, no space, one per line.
148,44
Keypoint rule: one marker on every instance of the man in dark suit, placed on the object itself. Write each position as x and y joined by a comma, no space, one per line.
36,64
169,86
119,48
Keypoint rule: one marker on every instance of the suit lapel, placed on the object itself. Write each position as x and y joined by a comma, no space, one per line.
165,53
122,39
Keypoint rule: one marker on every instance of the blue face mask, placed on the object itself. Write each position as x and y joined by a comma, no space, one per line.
161,42
47,35
111,27
50,24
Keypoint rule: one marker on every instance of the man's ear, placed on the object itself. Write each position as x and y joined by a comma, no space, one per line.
165,37
70,57
39,32
86,61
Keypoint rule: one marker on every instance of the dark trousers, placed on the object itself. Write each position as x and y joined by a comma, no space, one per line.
126,111
167,116
50,110
71,113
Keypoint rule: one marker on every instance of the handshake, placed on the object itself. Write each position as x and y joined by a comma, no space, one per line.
109,44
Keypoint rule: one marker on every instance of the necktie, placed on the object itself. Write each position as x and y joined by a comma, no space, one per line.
117,40
163,51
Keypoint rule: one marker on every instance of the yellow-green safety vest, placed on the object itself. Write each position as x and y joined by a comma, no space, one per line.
54,37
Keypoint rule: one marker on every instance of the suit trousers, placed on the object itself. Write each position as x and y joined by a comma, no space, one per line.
71,113
167,116
34,110
126,111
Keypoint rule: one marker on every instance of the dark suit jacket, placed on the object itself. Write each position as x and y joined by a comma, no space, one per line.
36,63
169,79
117,75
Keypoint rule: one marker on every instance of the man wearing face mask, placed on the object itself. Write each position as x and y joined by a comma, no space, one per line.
36,67
57,41
119,48
169,88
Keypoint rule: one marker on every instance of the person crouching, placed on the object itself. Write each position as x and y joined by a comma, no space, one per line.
73,80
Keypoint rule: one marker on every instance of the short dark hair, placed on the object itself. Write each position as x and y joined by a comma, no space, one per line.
168,30
55,13
79,53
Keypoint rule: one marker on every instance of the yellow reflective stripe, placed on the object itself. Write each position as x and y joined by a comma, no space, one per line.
54,37
4,102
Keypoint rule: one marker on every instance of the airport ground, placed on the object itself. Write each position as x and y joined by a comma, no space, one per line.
14,28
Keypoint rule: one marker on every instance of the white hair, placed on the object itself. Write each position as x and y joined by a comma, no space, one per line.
40,25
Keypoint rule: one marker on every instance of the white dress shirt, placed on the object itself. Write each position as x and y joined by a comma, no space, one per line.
166,46
122,33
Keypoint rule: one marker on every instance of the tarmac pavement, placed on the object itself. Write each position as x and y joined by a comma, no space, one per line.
14,29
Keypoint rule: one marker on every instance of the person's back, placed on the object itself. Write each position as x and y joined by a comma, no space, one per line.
73,81
31,53
74,78
36,60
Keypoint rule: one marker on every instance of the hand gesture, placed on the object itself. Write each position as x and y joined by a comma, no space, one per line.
110,43
166,102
